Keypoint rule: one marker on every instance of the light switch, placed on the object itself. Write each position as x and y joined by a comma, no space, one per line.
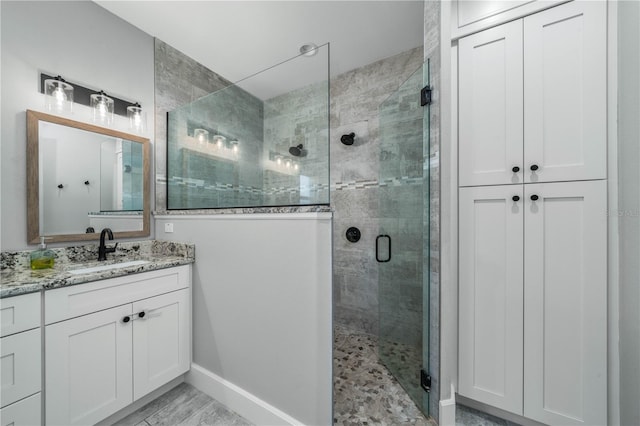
168,227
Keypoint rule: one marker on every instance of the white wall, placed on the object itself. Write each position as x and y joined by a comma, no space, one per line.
629,208
262,310
80,41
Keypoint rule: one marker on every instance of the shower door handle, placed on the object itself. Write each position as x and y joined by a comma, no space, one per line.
378,239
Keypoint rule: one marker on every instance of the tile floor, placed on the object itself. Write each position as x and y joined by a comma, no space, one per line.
364,393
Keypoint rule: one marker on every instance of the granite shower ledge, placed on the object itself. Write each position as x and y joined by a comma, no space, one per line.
18,278
246,210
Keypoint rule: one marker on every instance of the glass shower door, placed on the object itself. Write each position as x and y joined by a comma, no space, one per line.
402,246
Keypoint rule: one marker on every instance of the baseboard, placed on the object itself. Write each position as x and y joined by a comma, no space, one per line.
448,410
237,399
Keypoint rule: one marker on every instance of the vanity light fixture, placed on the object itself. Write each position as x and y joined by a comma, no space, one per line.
102,106
59,95
201,135
137,121
219,140
234,146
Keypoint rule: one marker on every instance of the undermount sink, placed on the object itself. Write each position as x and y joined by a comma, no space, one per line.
108,267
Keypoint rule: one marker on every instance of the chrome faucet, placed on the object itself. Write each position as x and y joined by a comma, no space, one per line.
103,250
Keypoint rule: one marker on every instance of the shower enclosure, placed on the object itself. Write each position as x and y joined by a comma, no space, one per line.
402,248
262,142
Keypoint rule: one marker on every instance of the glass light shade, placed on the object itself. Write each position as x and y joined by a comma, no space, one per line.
219,140
59,95
278,159
235,146
102,107
201,135
287,163
296,166
137,118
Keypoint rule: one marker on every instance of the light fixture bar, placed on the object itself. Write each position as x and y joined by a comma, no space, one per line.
82,95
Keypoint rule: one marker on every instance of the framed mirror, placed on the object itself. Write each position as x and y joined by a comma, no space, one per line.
82,178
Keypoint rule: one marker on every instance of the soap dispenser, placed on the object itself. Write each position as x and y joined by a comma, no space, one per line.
42,258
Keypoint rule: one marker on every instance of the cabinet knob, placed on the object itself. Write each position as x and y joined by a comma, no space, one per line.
534,167
126,319
516,198
141,314
515,169
534,197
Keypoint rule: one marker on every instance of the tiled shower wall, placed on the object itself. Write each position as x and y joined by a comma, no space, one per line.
179,81
355,191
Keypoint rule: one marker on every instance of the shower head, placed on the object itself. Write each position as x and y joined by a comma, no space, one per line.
297,151
348,139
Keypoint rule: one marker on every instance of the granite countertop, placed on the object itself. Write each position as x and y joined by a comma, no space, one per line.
16,276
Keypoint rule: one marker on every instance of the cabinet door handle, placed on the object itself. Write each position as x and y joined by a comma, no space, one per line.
515,169
126,319
534,197
516,198
141,314
534,167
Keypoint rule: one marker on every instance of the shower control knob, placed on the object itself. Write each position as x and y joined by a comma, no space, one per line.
515,169
348,139
141,314
516,198
353,234
534,167
126,319
534,197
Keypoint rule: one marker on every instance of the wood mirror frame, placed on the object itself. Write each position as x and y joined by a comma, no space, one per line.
33,178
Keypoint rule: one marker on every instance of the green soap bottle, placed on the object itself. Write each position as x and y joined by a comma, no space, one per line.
42,258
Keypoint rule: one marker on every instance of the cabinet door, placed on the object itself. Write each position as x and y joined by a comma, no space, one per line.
565,92
565,362
490,106
26,412
162,348
88,367
21,365
490,311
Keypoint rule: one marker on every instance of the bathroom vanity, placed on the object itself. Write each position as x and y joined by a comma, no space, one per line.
86,339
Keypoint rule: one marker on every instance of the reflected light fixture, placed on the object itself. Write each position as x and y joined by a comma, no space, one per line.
219,141
234,146
59,95
287,163
278,159
102,106
296,166
137,121
201,135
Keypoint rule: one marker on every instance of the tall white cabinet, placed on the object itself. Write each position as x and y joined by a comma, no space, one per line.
532,215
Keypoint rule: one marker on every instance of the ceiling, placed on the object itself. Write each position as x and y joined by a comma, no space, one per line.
239,38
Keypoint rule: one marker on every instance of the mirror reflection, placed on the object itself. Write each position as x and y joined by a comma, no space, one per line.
88,178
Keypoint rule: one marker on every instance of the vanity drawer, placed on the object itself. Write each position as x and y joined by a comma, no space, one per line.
73,301
19,313
26,412
21,365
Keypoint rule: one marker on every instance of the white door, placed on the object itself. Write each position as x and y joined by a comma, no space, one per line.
490,106
565,326
88,367
490,295
565,92
162,336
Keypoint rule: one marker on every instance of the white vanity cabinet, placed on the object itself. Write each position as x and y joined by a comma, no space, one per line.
20,360
110,342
